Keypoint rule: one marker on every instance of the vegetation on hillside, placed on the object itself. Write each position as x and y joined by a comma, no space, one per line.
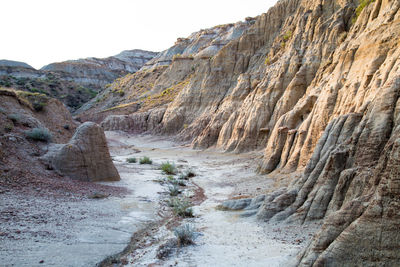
68,92
363,4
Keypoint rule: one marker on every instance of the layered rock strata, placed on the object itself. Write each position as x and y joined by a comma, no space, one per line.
85,157
315,84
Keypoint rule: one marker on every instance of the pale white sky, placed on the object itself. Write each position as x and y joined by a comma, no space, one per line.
39,32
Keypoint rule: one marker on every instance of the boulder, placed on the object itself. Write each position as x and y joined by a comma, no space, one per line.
86,157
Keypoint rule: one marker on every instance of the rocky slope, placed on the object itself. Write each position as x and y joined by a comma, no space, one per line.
30,125
95,73
52,84
163,77
315,84
73,82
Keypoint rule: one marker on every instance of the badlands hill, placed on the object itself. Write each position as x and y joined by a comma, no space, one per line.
73,82
315,85
97,72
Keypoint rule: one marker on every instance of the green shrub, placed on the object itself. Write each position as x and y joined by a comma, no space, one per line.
39,134
38,106
174,190
145,160
8,128
180,182
15,118
168,168
267,61
363,4
180,207
36,101
131,160
287,35
184,234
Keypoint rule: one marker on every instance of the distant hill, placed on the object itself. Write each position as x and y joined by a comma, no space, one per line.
12,63
74,82
97,72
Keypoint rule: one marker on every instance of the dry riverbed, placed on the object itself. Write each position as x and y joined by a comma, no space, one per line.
129,229
222,238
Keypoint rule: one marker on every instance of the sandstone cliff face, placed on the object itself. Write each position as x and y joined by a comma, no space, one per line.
317,88
204,43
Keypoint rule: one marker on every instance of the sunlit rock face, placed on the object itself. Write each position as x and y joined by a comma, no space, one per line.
316,87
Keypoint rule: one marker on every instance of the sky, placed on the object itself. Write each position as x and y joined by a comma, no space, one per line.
40,32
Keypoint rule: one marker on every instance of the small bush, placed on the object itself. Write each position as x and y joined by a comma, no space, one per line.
36,101
39,134
184,234
38,106
287,35
180,207
15,118
187,174
168,168
174,190
145,160
131,160
267,61
8,128
363,4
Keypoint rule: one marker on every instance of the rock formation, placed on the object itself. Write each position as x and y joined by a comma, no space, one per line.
163,78
315,84
85,157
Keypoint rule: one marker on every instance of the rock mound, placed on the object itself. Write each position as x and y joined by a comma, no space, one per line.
86,157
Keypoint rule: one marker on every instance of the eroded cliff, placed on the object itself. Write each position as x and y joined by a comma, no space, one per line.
315,84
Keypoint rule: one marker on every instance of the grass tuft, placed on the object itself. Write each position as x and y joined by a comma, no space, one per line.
168,168
181,207
174,190
145,160
131,160
39,134
184,234
189,173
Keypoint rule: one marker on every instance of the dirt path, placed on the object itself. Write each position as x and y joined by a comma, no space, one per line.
223,238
